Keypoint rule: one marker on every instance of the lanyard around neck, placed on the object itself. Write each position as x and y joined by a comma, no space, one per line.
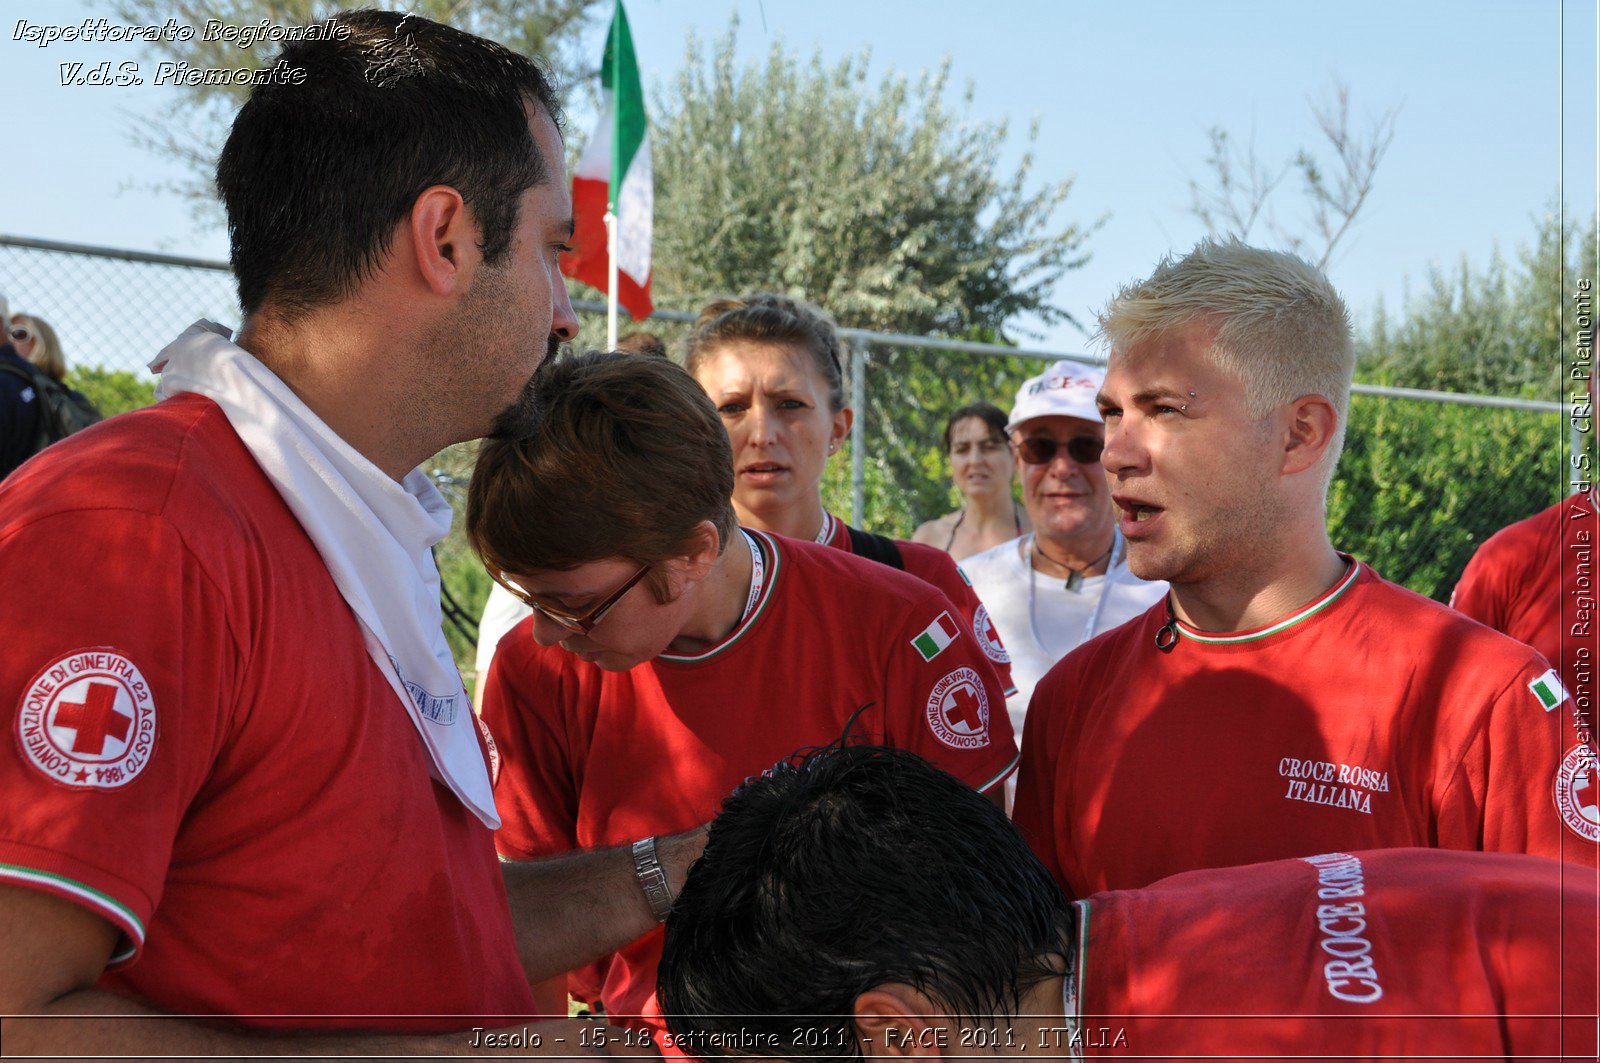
1100,600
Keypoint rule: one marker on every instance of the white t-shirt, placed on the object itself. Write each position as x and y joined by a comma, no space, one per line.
1060,620
502,612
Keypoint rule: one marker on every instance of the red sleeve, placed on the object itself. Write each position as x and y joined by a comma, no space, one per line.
1034,812
1525,783
942,700
1481,592
119,674
536,791
934,566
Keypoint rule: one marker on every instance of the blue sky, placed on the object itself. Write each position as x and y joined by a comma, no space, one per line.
1497,112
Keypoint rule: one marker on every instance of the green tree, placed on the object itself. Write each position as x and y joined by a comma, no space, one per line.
112,391
1498,330
192,127
878,202
1421,485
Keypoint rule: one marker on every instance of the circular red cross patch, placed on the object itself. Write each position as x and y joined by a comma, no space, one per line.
988,637
1577,792
958,710
88,721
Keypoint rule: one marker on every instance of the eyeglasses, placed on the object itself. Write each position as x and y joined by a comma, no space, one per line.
1041,450
578,625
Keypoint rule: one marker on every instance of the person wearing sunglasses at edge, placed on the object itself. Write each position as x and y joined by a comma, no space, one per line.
20,410
671,653
771,365
1284,699
1066,582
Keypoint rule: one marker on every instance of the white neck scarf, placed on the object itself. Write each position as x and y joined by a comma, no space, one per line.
375,536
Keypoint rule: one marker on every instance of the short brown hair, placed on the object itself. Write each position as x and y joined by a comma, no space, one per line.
642,343
765,317
631,455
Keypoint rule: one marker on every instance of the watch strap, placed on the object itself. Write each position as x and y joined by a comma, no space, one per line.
652,877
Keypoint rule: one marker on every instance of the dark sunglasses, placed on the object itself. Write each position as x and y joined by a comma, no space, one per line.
1041,450
578,625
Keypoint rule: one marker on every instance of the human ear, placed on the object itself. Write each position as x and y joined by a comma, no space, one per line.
440,234
840,428
895,1021
1310,423
700,552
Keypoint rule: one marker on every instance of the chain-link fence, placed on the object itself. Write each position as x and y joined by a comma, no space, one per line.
1425,478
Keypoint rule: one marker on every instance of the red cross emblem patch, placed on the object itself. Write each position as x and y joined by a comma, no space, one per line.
958,710
88,721
1577,792
988,637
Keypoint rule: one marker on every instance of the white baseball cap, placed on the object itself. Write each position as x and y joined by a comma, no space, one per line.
1066,389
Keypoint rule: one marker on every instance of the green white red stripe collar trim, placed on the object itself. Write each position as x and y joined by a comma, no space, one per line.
119,914
833,530
1334,593
775,561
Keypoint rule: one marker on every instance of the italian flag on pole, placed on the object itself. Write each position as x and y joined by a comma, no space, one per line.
614,179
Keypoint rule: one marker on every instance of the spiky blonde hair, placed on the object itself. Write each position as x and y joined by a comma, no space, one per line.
1280,327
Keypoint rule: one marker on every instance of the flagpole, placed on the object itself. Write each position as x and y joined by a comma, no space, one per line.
611,280
614,55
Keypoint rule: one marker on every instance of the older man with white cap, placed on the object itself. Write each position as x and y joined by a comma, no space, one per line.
1067,581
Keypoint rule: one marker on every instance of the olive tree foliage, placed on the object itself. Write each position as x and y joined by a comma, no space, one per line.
1237,197
1421,485
1499,329
883,203
878,202
193,126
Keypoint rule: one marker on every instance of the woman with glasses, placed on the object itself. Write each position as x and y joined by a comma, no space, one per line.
771,367
1068,580
980,467
670,653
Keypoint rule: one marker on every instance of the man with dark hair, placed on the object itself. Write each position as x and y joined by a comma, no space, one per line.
671,653
244,780
858,902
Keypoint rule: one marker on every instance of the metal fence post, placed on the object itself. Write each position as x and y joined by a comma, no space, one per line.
858,432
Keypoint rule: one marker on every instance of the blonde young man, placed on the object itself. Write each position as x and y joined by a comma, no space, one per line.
1284,700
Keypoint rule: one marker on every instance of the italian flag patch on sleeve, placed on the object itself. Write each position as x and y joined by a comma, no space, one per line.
935,637
1548,689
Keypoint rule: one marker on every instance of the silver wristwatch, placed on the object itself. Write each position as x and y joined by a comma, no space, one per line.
652,877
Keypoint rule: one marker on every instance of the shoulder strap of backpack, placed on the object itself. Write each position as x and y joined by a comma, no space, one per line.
879,548
50,428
